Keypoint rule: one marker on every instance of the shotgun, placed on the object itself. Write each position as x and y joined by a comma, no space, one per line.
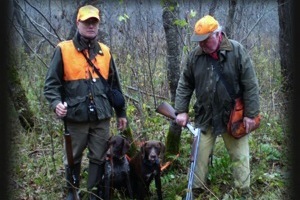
168,111
68,144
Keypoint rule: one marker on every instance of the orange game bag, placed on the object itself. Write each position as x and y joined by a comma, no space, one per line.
235,126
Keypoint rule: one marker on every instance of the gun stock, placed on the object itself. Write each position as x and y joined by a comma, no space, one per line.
167,110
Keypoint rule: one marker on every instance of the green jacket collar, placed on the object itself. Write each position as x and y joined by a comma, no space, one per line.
81,44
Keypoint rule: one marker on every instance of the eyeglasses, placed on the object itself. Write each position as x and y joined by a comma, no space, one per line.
209,37
91,21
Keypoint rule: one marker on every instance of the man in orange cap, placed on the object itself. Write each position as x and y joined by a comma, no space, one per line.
216,59
77,94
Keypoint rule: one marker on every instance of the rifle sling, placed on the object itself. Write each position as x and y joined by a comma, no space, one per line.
229,89
95,69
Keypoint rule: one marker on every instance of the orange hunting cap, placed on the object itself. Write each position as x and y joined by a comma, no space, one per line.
204,27
87,12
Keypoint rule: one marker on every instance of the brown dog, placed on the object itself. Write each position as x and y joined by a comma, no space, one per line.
117,168
144,167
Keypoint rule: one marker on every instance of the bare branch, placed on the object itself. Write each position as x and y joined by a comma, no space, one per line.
31,21
29,45
258,20
54,30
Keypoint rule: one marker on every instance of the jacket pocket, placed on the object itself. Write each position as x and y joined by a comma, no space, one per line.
104,109
200,114
77,109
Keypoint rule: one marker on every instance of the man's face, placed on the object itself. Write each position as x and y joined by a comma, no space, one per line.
88,28
211,44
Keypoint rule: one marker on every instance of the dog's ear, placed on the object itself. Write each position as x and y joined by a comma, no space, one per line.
125,146
162,147
112,140
143,149
109,142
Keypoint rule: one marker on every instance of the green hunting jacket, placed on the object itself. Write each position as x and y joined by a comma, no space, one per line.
213,103
76,92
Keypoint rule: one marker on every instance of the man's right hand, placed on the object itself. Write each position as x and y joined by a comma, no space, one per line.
61,109
182,119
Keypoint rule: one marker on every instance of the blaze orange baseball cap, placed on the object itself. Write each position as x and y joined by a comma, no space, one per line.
86,12
204,27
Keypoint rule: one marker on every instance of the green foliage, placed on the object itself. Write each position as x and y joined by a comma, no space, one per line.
181,23
123,18
220,172
193,13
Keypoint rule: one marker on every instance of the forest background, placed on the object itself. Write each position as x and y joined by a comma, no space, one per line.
149,40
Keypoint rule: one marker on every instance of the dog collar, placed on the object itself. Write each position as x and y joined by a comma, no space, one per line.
149,163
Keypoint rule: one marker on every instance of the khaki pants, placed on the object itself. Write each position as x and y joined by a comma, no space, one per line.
93,136
238,150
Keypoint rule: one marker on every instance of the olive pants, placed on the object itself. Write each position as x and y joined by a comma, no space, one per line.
90,135
238,150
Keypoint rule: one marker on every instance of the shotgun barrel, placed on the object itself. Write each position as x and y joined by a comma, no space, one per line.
195,148
68,145
168,111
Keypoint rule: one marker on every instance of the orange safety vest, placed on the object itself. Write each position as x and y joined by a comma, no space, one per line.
75,65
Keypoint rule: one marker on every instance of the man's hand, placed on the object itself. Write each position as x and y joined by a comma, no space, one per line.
61,110
122,123
182,119
249,124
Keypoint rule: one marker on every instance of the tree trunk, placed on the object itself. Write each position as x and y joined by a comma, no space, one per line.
17,93
285,43
288,38
170,14
212,7
172,37
229,20
18,97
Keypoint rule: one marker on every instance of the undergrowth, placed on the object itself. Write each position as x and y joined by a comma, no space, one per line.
37,170
38,173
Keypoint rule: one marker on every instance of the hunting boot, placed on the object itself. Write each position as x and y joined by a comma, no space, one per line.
95,173
72,181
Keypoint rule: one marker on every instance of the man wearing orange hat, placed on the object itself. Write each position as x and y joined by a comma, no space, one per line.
217,58
77,94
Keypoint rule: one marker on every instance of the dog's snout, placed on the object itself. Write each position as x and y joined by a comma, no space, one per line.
153,154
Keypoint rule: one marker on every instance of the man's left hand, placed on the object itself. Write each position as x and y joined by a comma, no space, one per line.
122,123
249,124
